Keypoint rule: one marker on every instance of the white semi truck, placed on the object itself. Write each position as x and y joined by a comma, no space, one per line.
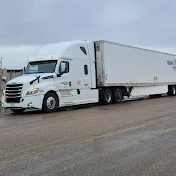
81,72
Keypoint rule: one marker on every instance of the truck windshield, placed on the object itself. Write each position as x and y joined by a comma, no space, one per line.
41,67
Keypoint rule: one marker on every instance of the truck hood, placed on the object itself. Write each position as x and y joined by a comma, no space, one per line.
27,78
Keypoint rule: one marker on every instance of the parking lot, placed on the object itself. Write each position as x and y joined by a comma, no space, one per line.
131,138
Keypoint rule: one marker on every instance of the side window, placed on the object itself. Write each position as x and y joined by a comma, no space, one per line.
85,69
67,67
83,50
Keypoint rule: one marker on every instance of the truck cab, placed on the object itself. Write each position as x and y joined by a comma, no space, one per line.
62,74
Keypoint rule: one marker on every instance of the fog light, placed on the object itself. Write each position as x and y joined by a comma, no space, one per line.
30,104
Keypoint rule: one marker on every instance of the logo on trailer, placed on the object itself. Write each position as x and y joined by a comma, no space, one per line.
172,63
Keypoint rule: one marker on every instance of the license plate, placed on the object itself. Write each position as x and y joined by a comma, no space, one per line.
12,104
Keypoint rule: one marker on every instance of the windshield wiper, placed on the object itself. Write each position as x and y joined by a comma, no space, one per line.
37,78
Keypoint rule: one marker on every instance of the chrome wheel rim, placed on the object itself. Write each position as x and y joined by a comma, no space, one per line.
174,91
108,97
118,96
51,103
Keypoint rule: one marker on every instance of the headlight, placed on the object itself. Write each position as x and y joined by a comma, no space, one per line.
32,91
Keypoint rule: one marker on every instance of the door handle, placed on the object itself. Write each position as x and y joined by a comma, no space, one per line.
69,83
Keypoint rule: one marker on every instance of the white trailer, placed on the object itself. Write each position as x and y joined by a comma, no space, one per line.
135,71
82,72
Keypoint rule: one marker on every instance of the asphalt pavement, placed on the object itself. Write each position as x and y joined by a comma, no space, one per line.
134,138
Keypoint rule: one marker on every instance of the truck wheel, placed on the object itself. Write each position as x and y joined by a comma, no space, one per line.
172,91
107,97
117,96
18,111
50,102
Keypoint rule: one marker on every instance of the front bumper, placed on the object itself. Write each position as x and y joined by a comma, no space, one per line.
34,101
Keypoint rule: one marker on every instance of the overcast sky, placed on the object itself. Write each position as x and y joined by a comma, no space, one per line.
26,25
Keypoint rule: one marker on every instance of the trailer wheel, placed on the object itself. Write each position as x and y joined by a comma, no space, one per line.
50,102
106,97
18,111
172,91
117,96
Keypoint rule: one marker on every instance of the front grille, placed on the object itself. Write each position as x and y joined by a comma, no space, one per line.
13,93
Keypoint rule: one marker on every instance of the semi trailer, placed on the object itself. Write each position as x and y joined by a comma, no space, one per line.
82,72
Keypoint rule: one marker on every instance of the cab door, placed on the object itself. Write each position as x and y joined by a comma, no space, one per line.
65,78
68,94
86,76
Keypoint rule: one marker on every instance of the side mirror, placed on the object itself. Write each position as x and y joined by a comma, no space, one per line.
4,79
62,67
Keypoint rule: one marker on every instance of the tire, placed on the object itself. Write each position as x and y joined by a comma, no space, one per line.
117,96
106,97
18,111
172,91
50,102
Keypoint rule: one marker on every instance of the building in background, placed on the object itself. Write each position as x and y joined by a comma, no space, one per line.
9,74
